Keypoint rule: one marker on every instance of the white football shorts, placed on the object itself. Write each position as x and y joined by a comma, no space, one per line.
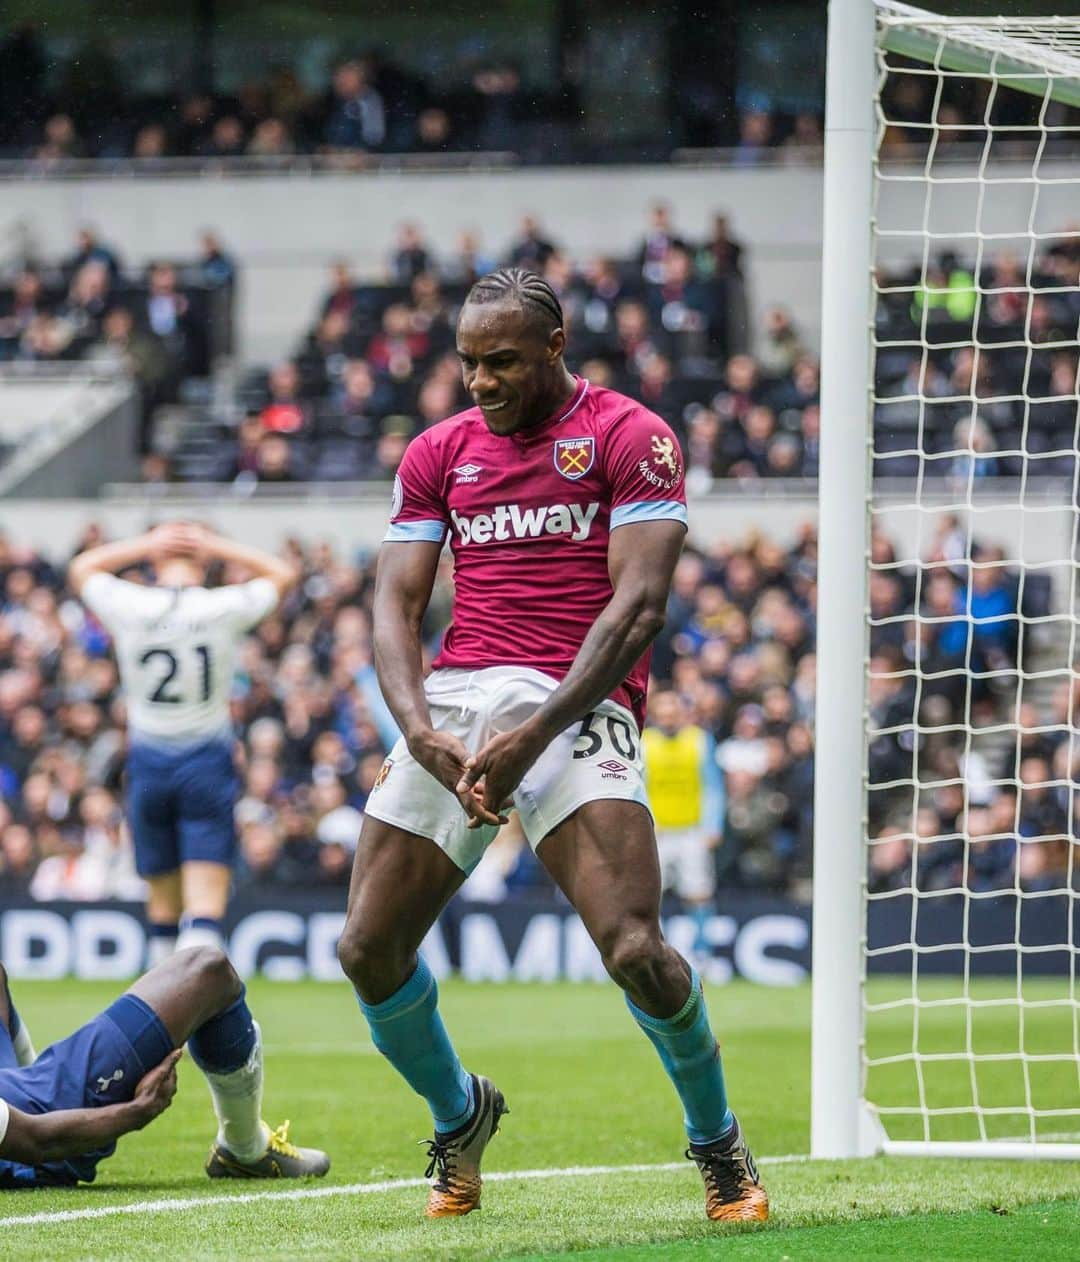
597,757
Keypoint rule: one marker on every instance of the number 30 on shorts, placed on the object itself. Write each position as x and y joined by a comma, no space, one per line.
620,733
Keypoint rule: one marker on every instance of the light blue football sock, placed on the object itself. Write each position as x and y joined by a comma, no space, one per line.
409,1032
689,1054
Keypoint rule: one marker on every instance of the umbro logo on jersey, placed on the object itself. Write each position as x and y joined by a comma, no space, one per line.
468,473
511,521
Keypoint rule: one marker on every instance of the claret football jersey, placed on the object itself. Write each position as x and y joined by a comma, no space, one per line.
529,517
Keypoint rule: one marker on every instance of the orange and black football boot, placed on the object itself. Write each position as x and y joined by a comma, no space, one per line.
454,1158
733,1192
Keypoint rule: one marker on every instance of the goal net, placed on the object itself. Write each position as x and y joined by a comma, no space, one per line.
969,1026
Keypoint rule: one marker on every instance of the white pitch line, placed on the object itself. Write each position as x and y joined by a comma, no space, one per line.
174,1204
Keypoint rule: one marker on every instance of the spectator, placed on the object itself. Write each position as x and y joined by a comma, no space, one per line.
399,348
357,120
337,823
390,448
721,254
810,423
285,411
433,131
25,304
87,300
342,296
139,353
196,120
226,139
660,238
411,256
755,138
973,441
151,143
782,346
260,865
890,861
245,461
275,461
806,144
216,266
497,90
90,249
681,304
271,139
59,140
18,858
531,249
470,260
167,311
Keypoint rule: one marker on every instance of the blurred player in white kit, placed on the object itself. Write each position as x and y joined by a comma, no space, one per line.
176,642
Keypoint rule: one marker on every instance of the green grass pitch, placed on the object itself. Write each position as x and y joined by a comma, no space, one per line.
585,1090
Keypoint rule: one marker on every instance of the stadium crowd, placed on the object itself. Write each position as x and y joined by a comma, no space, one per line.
668,325
368,104
378,364
972,717
162,324
738,648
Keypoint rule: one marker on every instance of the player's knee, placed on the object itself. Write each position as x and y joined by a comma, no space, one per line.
215,973
370,963
632,955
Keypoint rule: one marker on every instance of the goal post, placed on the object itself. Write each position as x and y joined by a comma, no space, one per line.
946,1011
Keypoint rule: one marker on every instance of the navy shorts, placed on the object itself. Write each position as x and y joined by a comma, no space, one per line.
101,1063
180,805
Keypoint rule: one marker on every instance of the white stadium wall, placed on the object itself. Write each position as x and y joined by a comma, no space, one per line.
286,229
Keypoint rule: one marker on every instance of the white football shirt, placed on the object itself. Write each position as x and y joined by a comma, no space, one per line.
176,650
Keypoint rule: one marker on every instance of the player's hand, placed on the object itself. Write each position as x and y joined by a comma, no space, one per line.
156,1089
169,539
493,773
443,756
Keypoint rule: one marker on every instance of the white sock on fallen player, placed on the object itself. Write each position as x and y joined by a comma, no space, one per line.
198,935
158,949
237,1100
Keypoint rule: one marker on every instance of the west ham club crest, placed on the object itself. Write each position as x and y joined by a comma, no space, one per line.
574,456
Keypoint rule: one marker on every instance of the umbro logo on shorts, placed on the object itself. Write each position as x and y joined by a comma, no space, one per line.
612,769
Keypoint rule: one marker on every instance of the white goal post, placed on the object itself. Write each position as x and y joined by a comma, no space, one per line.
946,917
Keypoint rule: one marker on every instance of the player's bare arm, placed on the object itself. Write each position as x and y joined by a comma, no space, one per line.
34,1138
641,563
403,584
109,558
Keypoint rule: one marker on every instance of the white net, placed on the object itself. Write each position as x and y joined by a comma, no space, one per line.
972,1019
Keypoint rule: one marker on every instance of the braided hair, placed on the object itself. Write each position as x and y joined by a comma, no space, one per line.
532,292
